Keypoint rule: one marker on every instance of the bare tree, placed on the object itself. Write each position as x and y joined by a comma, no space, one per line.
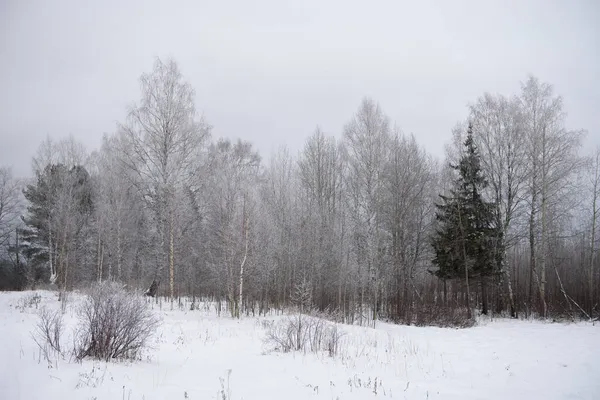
553,157
163,138
67,151
595,213
367,137
235,169
499,134
320,169
407,210
280,203
245,230
9,204
116,214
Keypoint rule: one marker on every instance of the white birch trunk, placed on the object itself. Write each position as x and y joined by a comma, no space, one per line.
243,263
171,261
596,184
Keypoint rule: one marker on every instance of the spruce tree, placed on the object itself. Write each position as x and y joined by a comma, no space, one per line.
37,240
44,230
466,241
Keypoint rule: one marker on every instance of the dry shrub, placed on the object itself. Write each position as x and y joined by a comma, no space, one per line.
28,301
113,323
444,317
305,333
48,332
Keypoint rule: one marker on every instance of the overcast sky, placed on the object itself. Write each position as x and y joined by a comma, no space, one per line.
271,71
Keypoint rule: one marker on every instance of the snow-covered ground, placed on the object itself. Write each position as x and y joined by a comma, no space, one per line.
198,355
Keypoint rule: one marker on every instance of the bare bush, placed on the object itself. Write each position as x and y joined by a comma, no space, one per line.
305,333
332,340
289,334
113,323
29,301
48,332
445,317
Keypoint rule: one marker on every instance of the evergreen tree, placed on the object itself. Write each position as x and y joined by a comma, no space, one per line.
37,233
60,204
467,242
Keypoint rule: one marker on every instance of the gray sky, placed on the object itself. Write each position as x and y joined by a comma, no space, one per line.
270,71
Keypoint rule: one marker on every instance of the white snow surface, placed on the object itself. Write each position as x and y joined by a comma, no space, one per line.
194,351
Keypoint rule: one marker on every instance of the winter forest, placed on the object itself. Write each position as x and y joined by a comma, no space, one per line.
362,223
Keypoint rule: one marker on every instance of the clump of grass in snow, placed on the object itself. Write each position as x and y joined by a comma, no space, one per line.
304,333
29,301
225,392
48,332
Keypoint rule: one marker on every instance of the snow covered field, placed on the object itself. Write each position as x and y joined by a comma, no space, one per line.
198,355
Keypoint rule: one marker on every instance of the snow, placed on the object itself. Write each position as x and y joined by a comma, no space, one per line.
196,354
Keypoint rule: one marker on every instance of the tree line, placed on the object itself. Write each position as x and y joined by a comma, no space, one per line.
370,224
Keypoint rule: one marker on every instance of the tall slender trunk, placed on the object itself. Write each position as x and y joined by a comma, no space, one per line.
98,276
543,306
484,296
231,284
511,297
532,244
544,249
406,303
63,264
119,251
341,269
17,250
445,293
362,303
504,271
110,264
340,282
100,256
466,262
591,271
51,255
374,263
243,263
593,240
398,295
241,294
171,261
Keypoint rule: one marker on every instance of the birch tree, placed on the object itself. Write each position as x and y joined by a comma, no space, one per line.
163,138
117,214
366,137
407,210
279,200
235,169
9,205
595,212
500,135
553,160
320,170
